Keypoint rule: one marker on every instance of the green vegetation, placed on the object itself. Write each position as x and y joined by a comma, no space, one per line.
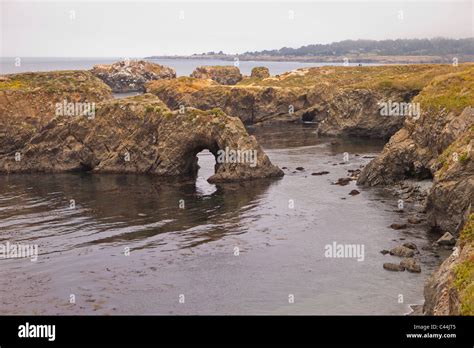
400,47
400,77
55,81
464,272
452,92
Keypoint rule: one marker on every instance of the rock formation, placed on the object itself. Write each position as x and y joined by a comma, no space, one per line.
28,101
341,100
224,75
439,145
141,135
260,72
131,75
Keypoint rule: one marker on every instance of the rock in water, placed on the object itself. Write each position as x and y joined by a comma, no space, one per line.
410,265
260,72
354,192
131,76
446,239
320,173
224,75
398,226
141,135
393,267
402,251
410,245
342,181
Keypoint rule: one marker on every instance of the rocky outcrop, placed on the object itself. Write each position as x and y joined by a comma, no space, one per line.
141,135
224,75
260,72
450,290
131,75
28,101
340,100
439,145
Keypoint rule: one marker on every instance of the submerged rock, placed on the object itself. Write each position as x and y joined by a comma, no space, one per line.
402,251
342,181
320,173
396,226
393,267
224,75
141,135
131,75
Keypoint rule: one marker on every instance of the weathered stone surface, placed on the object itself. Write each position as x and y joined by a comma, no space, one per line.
224,75
439,144
260,72
402,251
410,265
396,226
393,267
449,290
410,245
446,239
130,76
28,101
141,135
342,101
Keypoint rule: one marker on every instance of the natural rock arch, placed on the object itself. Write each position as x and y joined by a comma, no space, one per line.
141,135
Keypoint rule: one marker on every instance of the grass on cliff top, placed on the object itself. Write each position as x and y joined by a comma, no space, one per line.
55,81
447,158
181,84
464,272
452,92
402,77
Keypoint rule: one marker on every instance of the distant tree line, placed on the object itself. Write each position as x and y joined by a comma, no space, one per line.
399,47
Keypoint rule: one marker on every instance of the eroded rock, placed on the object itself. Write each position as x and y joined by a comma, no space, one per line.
410,265
394,267
224,75
131,75
446,239
28,101
402,251
260,72
141,135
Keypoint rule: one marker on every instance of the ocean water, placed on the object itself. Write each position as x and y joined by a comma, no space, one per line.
184,67
245,248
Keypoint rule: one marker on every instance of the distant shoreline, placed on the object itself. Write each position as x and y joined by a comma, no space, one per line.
330,59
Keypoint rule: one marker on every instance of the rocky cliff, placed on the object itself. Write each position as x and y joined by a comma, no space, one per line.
29,101
131,75
141,135
341,100
438,145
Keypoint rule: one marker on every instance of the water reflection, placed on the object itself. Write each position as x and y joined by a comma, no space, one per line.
114,209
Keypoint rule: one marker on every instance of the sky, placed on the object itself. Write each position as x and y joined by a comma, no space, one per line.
143,28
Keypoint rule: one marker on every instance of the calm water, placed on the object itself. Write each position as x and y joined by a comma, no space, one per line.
191,252
184,67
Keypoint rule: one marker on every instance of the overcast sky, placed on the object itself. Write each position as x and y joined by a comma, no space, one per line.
137,29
